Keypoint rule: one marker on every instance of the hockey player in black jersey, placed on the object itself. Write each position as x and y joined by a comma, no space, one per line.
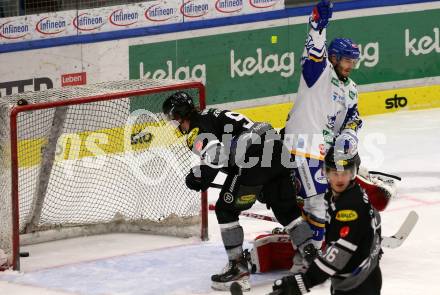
251,154
353,237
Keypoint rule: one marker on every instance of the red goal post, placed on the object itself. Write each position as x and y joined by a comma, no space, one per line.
94,159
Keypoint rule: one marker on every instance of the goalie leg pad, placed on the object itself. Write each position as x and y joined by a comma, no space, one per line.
272,252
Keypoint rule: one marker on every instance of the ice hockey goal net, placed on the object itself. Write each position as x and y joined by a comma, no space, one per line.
93,159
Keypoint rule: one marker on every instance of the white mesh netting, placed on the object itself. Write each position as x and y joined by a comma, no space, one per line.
109,165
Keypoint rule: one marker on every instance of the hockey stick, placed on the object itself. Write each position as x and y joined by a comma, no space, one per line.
386,174
405,229
250,214
391,242
216,185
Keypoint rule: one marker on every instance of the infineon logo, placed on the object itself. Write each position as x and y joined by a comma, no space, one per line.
85,22
228,6
191,9
159,13
263,3
74,79
49,26
9,30
123,19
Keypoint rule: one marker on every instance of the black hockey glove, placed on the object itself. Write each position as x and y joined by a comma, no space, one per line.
310,253
290,285
193,182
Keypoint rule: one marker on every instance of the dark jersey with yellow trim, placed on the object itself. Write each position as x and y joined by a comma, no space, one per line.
353,238
224,139
217,122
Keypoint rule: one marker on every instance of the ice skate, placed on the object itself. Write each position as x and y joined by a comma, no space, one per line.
234,271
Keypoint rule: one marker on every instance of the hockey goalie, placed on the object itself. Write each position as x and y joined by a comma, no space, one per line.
274,251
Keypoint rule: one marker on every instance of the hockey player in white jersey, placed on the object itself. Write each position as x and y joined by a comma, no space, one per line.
325,114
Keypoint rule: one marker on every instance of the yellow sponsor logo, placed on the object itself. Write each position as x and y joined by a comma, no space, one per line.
192,136
352,125
111,141
346,215
341,162
247,199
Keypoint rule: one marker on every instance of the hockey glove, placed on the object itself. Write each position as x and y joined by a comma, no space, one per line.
291,285
346,144
379,187
321,14
200,177
193,182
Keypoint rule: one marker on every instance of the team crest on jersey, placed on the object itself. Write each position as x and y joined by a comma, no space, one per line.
192,136
346,215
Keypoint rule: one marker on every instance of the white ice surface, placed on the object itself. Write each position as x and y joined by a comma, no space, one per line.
405,143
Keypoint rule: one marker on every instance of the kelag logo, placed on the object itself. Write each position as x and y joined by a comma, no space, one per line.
47,26
263,3
171,71
85,22
123,19
229,6
425,44
396,102
159,13
369,55
191,9
9,30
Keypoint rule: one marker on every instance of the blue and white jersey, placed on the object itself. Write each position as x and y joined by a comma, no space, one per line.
325,105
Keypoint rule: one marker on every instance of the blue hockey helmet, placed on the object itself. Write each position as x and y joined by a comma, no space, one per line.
342,47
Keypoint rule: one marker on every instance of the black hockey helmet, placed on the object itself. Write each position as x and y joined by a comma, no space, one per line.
179,105
340,162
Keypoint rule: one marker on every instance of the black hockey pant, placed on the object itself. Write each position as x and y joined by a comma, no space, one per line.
274,184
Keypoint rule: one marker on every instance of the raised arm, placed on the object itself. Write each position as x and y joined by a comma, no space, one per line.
314,59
